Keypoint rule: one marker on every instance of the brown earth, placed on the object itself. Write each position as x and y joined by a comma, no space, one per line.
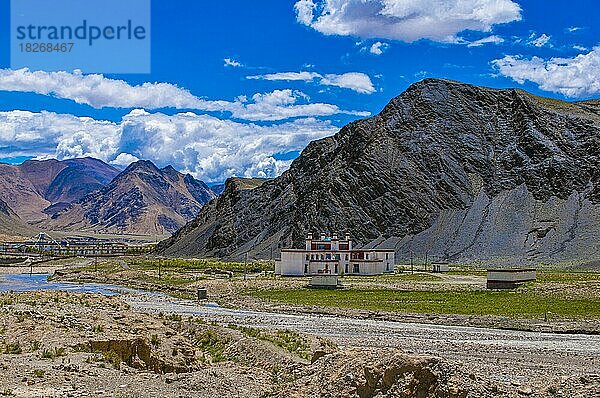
60,344
57,344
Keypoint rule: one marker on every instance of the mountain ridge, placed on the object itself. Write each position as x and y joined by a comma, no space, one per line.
142,199
439,153
10,223
33,186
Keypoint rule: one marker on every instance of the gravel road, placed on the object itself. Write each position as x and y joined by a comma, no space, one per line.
503,354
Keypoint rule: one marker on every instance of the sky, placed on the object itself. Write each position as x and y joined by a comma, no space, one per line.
239,89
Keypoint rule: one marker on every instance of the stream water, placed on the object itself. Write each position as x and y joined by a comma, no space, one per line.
31,282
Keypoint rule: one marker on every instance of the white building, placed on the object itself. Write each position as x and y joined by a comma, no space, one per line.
509,278
332,256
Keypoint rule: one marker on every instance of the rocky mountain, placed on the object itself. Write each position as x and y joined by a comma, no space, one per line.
36,189
218,188
10,223
143,199
80,177
460,172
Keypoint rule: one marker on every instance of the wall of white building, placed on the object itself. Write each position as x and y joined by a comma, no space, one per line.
296,263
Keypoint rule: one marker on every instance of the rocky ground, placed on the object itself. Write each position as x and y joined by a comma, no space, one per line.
57,344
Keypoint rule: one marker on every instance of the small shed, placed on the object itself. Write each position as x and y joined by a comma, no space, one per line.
509,278
440,267
324,281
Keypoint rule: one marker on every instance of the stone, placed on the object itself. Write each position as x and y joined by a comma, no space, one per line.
317,355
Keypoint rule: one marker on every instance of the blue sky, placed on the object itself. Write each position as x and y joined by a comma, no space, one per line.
347,59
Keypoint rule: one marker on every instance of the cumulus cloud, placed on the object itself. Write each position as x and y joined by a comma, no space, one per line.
124,159
489,39
284,104
232,62
539,41
572,77
99,92
209,148
378,48
24,133
405,20
356,81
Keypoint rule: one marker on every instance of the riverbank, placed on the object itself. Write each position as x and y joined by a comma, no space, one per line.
555,303
70,344
74,345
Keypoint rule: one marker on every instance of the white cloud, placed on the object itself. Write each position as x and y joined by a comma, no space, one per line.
209,148
283,104
490,39
99,92
378,48
573,77
24,133
232,62
124,159
580,48
405,20
539,41
288,76
359,82
573,29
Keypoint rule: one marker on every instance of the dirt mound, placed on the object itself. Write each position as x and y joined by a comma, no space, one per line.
139,353
369,374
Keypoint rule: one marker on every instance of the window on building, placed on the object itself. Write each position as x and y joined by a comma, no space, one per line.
306,268
346,256
367,256
346,269
356,269
386,255
307,256
336,268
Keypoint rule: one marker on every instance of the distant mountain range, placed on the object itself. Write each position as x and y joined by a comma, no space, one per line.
460,172
10,224
32,187
143,199
89,195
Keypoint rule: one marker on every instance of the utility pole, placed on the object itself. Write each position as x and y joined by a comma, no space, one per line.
412,270
159,269
245,263
426,261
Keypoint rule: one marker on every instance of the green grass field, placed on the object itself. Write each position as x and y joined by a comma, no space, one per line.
512,304
395,278
199,265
